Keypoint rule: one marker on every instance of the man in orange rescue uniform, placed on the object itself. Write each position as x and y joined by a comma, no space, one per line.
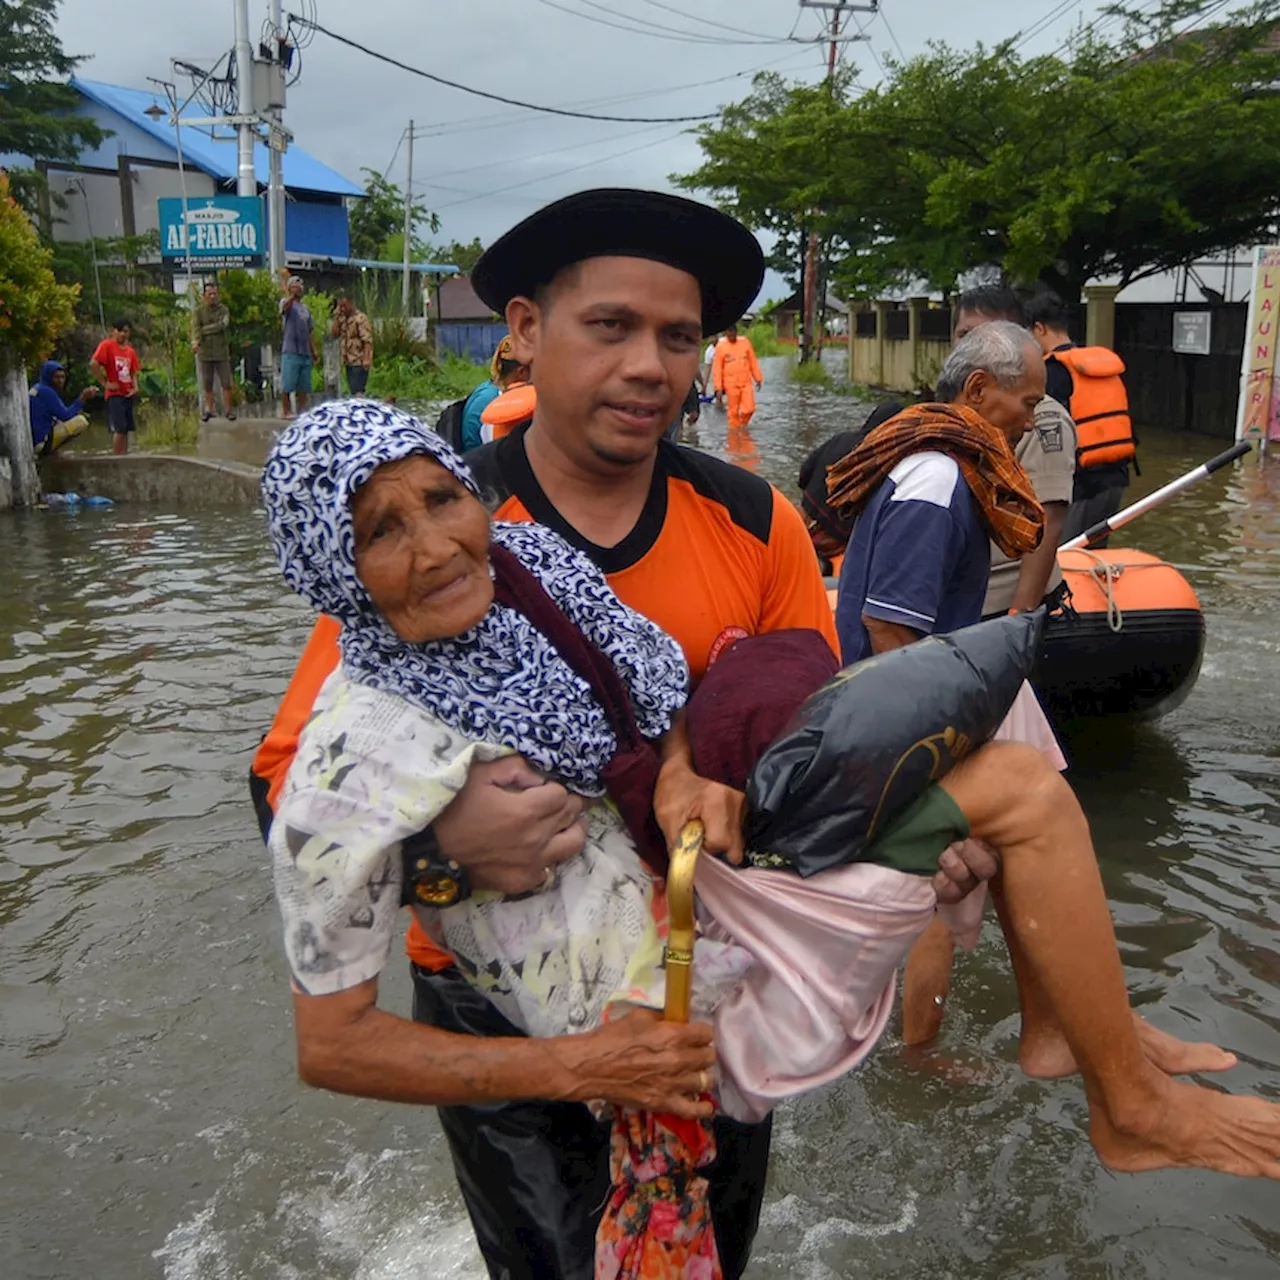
607,295
736,376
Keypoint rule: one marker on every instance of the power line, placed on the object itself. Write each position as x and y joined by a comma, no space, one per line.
651,27
497,119
1044,23
658,33
497,97
572,146
710,22
560,173
871,49
884,17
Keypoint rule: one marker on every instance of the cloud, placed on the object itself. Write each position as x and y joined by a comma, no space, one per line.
481,165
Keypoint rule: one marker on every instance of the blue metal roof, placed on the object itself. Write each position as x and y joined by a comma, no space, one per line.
216,157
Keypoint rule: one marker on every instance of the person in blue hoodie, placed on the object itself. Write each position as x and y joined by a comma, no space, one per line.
54,422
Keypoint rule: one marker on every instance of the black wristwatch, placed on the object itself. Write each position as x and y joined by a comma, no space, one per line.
431,879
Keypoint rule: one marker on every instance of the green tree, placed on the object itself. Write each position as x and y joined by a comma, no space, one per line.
456,254
377,220
767,162
37,109
1124,157
34,309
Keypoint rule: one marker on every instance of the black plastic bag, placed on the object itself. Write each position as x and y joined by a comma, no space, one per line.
869,742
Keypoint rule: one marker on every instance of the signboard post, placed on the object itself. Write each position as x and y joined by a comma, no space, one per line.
1192,332
222,231
1259,413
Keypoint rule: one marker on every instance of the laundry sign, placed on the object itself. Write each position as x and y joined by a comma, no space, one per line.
222,231
1259,413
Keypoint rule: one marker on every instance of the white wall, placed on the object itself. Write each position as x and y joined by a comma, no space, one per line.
1230,274
102,195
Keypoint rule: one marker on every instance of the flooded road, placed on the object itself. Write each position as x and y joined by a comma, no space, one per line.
151,1123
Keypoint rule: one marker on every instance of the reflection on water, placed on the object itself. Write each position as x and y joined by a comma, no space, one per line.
151,1121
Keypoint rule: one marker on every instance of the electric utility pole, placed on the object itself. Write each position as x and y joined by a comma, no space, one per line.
809,344
246,176
408,226
277,141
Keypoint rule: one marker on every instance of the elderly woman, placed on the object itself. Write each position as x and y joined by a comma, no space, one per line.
463,640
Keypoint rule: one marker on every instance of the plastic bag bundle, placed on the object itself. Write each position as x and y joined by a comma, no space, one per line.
868,743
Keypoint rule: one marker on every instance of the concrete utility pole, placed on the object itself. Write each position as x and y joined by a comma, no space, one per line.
809,341
246,176
278,141
408,225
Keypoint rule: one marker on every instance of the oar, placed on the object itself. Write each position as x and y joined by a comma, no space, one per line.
1143,505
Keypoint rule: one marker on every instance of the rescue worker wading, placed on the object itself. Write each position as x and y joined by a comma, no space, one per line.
1088,383
734,370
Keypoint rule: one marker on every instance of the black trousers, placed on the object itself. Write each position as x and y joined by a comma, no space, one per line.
1090,510
535,1175
357,379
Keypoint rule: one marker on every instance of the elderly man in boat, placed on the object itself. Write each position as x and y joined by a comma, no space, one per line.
607,295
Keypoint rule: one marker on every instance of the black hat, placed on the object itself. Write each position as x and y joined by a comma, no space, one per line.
717,250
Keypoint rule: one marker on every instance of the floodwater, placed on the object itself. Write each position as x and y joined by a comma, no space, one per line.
151,1123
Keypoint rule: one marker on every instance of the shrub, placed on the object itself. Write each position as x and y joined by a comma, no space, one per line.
34,307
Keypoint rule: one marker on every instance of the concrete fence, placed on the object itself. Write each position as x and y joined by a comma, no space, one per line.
899,348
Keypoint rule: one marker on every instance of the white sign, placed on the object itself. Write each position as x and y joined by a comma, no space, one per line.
1192,332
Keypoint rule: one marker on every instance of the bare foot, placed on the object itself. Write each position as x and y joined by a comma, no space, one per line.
1185,1126
1048,1056
1180,1057
930,1061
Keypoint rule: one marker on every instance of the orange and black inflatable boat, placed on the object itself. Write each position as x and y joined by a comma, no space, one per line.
1131,642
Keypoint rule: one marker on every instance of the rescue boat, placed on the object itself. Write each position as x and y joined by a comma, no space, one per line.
1129,644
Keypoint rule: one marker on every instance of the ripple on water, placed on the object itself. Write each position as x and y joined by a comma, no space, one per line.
146,1045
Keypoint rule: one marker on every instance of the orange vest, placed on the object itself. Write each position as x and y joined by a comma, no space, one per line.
1099,405
507,411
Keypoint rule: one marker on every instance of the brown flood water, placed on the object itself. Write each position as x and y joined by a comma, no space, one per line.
151,1123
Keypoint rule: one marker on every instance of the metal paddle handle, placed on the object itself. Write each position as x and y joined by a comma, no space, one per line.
1143,505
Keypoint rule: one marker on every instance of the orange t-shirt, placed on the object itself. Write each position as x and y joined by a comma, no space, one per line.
717,554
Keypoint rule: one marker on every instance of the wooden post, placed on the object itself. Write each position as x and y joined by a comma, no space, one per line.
15,433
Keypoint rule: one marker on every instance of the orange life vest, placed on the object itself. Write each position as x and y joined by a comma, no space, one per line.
505,413
1099,405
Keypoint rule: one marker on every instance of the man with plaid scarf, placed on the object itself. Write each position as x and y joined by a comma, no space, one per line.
929,490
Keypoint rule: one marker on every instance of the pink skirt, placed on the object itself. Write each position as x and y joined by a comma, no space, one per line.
825,956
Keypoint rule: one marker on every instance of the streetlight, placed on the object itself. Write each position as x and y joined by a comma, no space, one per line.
156,112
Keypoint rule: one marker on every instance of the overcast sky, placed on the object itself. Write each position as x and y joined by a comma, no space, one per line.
484,166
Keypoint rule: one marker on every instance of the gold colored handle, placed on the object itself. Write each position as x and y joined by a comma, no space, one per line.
680,922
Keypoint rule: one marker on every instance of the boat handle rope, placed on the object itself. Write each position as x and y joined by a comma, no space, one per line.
1105,574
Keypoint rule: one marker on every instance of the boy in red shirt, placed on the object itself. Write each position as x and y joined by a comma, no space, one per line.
115,363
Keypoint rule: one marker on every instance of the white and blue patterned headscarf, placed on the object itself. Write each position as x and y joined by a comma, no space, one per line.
502,681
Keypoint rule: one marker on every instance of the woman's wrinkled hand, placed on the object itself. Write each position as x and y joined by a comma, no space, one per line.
682,796
641,1062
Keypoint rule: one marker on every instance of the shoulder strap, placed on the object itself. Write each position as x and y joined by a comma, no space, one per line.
632,774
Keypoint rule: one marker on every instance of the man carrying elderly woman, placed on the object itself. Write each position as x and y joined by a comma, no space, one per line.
449,733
